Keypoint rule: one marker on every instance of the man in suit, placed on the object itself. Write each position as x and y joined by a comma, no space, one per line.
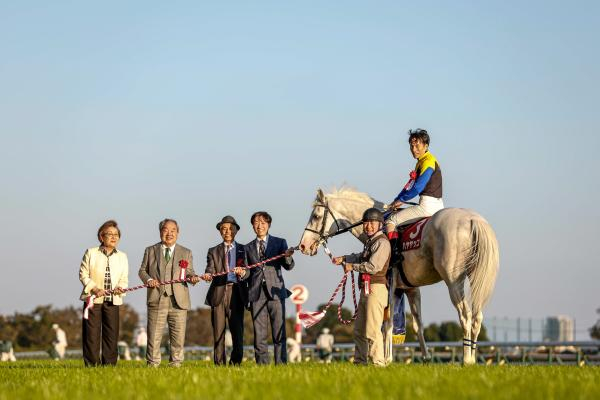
166,261
266,289
227,294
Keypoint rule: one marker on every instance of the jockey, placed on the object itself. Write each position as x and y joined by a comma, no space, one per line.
425,181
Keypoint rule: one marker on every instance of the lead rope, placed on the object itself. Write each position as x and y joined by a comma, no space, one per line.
309,319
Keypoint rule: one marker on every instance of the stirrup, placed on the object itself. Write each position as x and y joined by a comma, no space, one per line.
398,338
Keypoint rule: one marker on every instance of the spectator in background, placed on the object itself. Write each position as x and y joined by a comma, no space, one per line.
6,351
293,350
141,342
228,341
123,349
59,343
324,345
104,273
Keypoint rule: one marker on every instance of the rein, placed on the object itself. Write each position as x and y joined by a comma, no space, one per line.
323,237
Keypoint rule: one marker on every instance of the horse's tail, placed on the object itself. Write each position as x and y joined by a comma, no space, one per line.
482,263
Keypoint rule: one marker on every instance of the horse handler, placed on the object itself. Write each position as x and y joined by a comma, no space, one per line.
372,264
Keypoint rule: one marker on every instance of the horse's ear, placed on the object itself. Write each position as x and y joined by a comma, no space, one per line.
320,195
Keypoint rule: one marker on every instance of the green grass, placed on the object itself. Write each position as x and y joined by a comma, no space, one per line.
69,380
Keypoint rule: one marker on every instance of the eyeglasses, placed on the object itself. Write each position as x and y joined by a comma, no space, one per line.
112,235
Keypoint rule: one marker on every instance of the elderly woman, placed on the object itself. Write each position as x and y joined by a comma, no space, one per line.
425,181
102,269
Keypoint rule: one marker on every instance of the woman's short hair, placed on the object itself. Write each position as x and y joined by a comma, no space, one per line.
162,224
420,135
263,214
111,223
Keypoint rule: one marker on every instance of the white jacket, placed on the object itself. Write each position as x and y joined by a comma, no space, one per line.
93,267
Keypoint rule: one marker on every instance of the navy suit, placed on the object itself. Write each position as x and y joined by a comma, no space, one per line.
267,294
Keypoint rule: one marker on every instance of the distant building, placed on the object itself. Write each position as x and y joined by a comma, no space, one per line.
559,329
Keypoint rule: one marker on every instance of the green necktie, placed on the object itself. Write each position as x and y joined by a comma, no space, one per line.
168,254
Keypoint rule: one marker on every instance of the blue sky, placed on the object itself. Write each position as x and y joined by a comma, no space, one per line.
144,110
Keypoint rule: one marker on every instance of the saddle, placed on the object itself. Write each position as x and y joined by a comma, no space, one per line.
408,238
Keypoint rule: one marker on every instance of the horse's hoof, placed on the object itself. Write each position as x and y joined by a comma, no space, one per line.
427,360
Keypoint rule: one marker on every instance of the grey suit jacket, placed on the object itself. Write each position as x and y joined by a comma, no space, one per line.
154,267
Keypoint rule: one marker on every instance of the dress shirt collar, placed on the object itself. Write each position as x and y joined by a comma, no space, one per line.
163,248
105,252
266,240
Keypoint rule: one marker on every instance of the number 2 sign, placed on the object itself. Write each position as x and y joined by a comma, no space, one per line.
299,294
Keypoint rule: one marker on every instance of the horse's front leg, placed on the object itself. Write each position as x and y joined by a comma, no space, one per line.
414,301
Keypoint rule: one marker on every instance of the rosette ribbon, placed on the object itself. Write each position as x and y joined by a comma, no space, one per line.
183,264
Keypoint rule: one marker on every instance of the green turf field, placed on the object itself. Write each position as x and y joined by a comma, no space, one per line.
132,380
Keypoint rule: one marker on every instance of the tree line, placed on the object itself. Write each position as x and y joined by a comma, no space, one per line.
33,330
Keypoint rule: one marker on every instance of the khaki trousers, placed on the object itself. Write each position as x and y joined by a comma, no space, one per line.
368,339
169,312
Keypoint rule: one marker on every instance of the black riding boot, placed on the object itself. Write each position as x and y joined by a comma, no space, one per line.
396,258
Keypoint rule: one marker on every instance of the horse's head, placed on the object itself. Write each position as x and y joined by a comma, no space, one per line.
320,222
335,213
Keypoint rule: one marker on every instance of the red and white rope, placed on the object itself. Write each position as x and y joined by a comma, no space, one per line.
89,301
309,319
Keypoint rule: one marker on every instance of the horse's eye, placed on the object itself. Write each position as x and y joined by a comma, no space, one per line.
316,217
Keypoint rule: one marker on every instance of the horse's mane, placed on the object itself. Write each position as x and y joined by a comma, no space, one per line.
350,193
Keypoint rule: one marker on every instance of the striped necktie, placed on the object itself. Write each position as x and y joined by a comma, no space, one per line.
261,249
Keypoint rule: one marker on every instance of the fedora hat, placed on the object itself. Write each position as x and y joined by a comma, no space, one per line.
228,219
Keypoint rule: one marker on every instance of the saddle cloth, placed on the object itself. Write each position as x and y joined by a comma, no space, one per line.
411,234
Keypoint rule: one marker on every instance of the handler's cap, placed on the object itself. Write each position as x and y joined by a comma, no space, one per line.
228,219
372,214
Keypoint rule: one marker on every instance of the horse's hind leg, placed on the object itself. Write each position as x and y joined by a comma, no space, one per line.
477,320
457,295
414,300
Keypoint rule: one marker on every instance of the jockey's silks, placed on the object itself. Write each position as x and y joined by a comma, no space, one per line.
428,181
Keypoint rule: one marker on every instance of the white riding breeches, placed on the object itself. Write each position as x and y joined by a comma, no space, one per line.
426,208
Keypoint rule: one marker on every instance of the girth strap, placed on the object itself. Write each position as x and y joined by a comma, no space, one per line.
403,275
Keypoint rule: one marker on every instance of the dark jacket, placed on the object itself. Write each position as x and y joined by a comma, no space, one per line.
215,263
270,272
